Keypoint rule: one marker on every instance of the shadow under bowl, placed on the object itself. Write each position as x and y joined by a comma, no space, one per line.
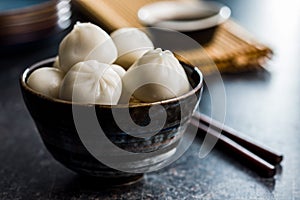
55,122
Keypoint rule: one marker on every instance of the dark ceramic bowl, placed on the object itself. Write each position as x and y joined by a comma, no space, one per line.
55,123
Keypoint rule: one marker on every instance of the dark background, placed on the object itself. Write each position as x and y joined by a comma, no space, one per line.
263,105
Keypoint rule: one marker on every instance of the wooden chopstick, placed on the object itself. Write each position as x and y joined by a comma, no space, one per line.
258,164
254,162
262,151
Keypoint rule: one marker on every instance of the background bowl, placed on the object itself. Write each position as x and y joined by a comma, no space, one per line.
54,121
197,19
27,21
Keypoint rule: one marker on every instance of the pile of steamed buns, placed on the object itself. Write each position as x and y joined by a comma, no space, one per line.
91,68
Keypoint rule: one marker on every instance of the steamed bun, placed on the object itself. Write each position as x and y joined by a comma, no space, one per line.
86,42
131,43
120,70
56,62
46,80
91,82
156,76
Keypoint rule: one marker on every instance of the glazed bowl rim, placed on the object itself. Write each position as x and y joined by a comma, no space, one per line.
30,69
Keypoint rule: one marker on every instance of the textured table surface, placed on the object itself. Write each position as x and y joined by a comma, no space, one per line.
263,105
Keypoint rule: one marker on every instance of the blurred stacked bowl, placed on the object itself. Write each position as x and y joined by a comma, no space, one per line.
23,21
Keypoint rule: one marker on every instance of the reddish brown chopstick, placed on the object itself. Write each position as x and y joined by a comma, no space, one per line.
254,162
258,149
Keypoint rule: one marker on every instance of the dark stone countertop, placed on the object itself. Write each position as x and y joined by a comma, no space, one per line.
263,105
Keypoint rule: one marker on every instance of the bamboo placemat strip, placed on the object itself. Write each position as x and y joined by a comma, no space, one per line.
232,48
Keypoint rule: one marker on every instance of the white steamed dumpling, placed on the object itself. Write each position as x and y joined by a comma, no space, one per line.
131,43
120,70
56,62
86,42
156,76
46,80
91,82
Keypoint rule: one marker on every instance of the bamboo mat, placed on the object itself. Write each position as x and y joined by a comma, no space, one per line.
232,49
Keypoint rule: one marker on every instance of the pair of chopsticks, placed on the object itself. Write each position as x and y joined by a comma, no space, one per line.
258,157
